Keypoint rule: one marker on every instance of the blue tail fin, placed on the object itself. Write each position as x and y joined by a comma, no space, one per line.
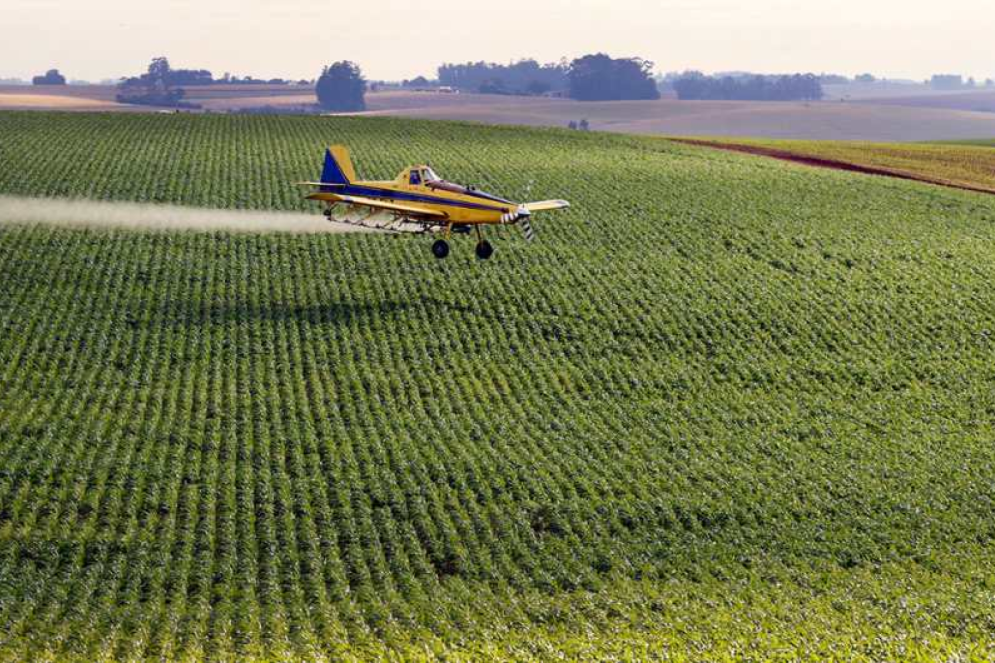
338,166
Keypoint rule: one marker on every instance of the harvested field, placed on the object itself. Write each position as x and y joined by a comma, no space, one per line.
235,97
821,120
968,166
31,101
979,101
95,92
246,102
103,97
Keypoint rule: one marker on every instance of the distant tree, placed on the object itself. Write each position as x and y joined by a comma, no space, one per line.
583,125
572,125
797,87
159,69
51,77
153,88
538,88
600,77
691,85
189,77
516,78
160,74
248,80
971,82
835,79
416,82
946,82
865,78
342,88
494,86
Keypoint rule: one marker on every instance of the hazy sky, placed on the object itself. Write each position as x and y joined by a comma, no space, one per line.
393,39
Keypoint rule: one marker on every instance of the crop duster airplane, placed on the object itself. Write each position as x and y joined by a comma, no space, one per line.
418,201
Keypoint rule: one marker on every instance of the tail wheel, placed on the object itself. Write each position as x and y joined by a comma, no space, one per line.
440,249
484,250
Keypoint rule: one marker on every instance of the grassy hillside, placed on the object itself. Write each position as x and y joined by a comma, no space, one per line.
725,407
967,164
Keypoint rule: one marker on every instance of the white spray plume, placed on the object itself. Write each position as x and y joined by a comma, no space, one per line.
142,216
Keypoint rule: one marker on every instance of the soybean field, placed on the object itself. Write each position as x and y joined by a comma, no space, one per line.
724,408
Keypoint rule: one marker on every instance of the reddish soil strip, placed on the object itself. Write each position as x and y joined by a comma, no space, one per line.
818,162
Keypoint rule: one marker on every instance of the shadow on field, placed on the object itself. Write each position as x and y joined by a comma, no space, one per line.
190,313
565,328
551,326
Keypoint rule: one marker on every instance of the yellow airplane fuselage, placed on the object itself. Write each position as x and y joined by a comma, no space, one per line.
458,207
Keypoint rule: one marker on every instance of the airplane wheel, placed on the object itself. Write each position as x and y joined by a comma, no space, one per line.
484,250
440,249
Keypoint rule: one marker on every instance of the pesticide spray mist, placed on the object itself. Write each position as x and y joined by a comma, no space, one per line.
141,216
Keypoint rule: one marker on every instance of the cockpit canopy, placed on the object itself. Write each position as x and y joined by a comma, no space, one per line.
422,175
425,176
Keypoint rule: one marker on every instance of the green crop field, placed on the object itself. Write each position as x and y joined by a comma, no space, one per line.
725,408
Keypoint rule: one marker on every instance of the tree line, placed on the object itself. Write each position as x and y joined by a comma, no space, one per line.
956,82
596,77
158,86
522,77
50,77
797,87
161,85
341,86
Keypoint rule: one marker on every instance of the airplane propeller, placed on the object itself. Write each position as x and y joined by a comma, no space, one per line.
525,216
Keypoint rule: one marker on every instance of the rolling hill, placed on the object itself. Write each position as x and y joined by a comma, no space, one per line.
825,120
982,101
879,120
724,408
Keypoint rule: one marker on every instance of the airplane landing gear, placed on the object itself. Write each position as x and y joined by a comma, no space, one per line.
484,249
440,249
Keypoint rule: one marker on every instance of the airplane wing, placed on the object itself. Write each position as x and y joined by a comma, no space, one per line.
378,204
546,205
320,184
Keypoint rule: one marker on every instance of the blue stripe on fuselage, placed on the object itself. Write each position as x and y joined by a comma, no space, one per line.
391,194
